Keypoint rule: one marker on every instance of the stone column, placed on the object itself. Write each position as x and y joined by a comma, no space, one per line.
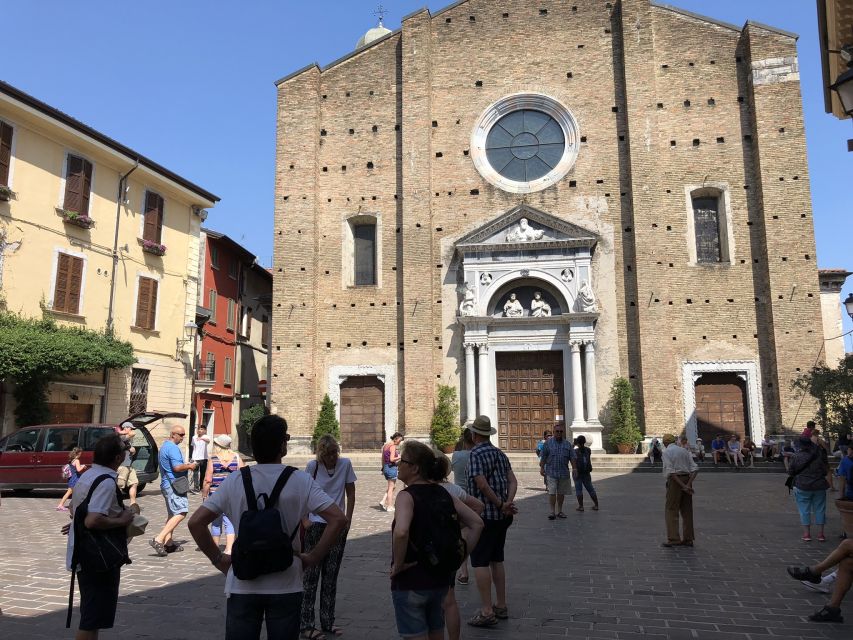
470,384
577,387
591,391
483,353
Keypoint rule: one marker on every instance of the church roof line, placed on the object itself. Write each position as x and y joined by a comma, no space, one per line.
721,23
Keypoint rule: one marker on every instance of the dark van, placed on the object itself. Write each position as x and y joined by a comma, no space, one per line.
33,457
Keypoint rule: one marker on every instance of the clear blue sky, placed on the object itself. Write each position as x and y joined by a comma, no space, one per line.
189,83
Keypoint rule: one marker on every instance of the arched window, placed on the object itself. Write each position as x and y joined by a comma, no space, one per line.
361,251
710,220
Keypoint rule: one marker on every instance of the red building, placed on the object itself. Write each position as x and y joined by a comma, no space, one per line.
223,264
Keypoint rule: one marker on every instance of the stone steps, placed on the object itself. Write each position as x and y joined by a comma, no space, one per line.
602,463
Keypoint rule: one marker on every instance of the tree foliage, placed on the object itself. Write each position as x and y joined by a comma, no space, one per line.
623,414
327,422
248,418
833,390
33,352
444,428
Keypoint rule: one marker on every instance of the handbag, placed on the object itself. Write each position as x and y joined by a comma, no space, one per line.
181,485
789,481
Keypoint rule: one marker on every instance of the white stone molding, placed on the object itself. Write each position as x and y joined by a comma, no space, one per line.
516,102
566,303
468,306
589,382
578,420
470,384
523,232
721,191
744,369
387,374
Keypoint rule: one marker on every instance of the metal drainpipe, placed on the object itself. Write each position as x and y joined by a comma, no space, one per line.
119,200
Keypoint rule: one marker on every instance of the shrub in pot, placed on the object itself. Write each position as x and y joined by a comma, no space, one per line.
444,428
625,433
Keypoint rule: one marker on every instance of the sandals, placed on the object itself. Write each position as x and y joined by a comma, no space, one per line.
173,548
480,620
158,547
827,614
337,631
562,516
501,613
804,574
312,634
462,579
551,516
579,509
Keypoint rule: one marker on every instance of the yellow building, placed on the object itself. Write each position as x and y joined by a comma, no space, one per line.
96,235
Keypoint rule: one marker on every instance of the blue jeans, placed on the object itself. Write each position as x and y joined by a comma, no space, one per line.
584,480
419,612
808,501
247,611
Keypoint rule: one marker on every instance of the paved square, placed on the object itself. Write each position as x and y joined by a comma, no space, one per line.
594,575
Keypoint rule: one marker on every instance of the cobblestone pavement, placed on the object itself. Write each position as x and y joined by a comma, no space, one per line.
595,575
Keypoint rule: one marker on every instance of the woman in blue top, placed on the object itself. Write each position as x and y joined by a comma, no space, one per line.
75,468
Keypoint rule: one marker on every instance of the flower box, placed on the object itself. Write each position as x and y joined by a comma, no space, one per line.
77,219
154,248
6,193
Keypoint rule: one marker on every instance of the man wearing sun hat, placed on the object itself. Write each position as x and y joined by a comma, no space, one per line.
491,480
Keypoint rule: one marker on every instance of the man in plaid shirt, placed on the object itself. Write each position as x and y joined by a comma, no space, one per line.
491,480
557,454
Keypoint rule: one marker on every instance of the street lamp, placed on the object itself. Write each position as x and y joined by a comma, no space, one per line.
848,305
843,86
189,333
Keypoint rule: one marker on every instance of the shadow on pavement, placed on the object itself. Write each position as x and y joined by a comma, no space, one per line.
594,575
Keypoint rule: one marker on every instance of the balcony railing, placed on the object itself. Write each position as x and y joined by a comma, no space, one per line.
206,373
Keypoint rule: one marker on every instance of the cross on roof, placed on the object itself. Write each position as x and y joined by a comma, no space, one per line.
380,11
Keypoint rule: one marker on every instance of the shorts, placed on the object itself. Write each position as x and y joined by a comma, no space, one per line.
175,504
222,526
419,612
490,547
126,477
389,471
558,486
98,598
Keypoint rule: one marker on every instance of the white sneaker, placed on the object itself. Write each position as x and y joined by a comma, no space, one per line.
390,509
826,583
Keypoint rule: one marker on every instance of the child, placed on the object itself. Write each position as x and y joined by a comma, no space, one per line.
541,445
583,474
74,468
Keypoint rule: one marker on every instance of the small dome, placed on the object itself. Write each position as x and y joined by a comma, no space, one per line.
374,34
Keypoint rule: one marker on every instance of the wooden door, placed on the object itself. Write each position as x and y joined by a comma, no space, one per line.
70,412
362,413
721,406
530,396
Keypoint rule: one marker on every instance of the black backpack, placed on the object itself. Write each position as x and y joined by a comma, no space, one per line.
584,460
262,545
95,550
441,548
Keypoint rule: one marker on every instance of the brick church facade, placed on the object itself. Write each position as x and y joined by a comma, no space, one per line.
526,200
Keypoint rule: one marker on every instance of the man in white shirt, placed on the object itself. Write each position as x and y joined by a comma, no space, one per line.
201,442
274,597
99,590
680,471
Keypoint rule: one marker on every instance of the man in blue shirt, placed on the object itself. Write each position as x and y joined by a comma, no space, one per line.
845,472
557,455
718,448
172,468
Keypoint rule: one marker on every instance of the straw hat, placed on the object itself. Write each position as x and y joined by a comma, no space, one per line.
223,441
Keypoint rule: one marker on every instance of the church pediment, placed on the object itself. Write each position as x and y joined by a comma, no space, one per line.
524,227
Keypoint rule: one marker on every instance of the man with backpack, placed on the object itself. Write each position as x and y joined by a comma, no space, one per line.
264,573
98,513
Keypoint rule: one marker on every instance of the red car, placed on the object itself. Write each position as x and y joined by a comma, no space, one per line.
33,457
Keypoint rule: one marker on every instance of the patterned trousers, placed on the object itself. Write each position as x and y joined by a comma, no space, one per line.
329,567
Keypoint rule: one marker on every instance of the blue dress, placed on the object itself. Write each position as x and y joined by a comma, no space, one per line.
75,475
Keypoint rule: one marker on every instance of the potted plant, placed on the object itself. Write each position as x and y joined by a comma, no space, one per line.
625,434
77,219
444,428
155,248
6,193
327,422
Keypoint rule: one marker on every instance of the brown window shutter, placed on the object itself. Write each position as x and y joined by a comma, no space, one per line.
60,292
143,300
5,152
73,185
75,284
152,305
85,186
153,227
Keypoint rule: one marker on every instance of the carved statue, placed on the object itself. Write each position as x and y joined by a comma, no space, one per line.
467,307
586,298
567,275
513,308
538,307
486,279
524,232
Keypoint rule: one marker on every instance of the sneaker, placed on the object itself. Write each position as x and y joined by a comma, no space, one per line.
827,614
804,574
